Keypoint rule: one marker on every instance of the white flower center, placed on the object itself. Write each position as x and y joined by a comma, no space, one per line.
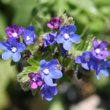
46,71
14,34
66,36
13,49
28,38
34,79
97,51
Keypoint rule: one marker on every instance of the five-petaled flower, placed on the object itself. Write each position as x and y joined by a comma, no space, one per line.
67,36
48,92
12,49
35,80
100,50
29,36
55,23
14,31
49,71
89,62
49,39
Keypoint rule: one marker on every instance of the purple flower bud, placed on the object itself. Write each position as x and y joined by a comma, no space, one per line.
100,50
35,80
54,23
27,54
14,31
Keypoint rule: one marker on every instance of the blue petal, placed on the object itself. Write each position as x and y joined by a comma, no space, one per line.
85,66
97,76
52,63
55,74
104,72
12,41
54,90
78,59
98,72
31,28
87,54
103,44
43,63
49,98
63,29
42,74
46,93
67,45
60,39
3,46
106,63
16,57
6,55
53,34
71,28
21,47
48,80
95,43
75,38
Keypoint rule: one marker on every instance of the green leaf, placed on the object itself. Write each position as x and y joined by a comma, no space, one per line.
33,62
31,69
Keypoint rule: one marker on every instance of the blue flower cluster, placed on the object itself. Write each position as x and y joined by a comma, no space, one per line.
61,36
95,60
66,36
45,79
12,46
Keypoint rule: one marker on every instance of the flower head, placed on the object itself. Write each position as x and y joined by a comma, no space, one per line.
100,50
14,31
29,36
85,60
101,67
48,92
35,80
67,36
49,71
12,49
54,23
49,39
89,62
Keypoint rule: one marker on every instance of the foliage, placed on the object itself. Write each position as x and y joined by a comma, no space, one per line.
91,17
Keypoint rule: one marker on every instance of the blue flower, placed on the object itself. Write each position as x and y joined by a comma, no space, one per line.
89,62
29,36
48,92
101,67
49,71
85,60
12,49
67,36
100,50
49,39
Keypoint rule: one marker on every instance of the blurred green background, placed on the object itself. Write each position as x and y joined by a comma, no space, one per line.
92,17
